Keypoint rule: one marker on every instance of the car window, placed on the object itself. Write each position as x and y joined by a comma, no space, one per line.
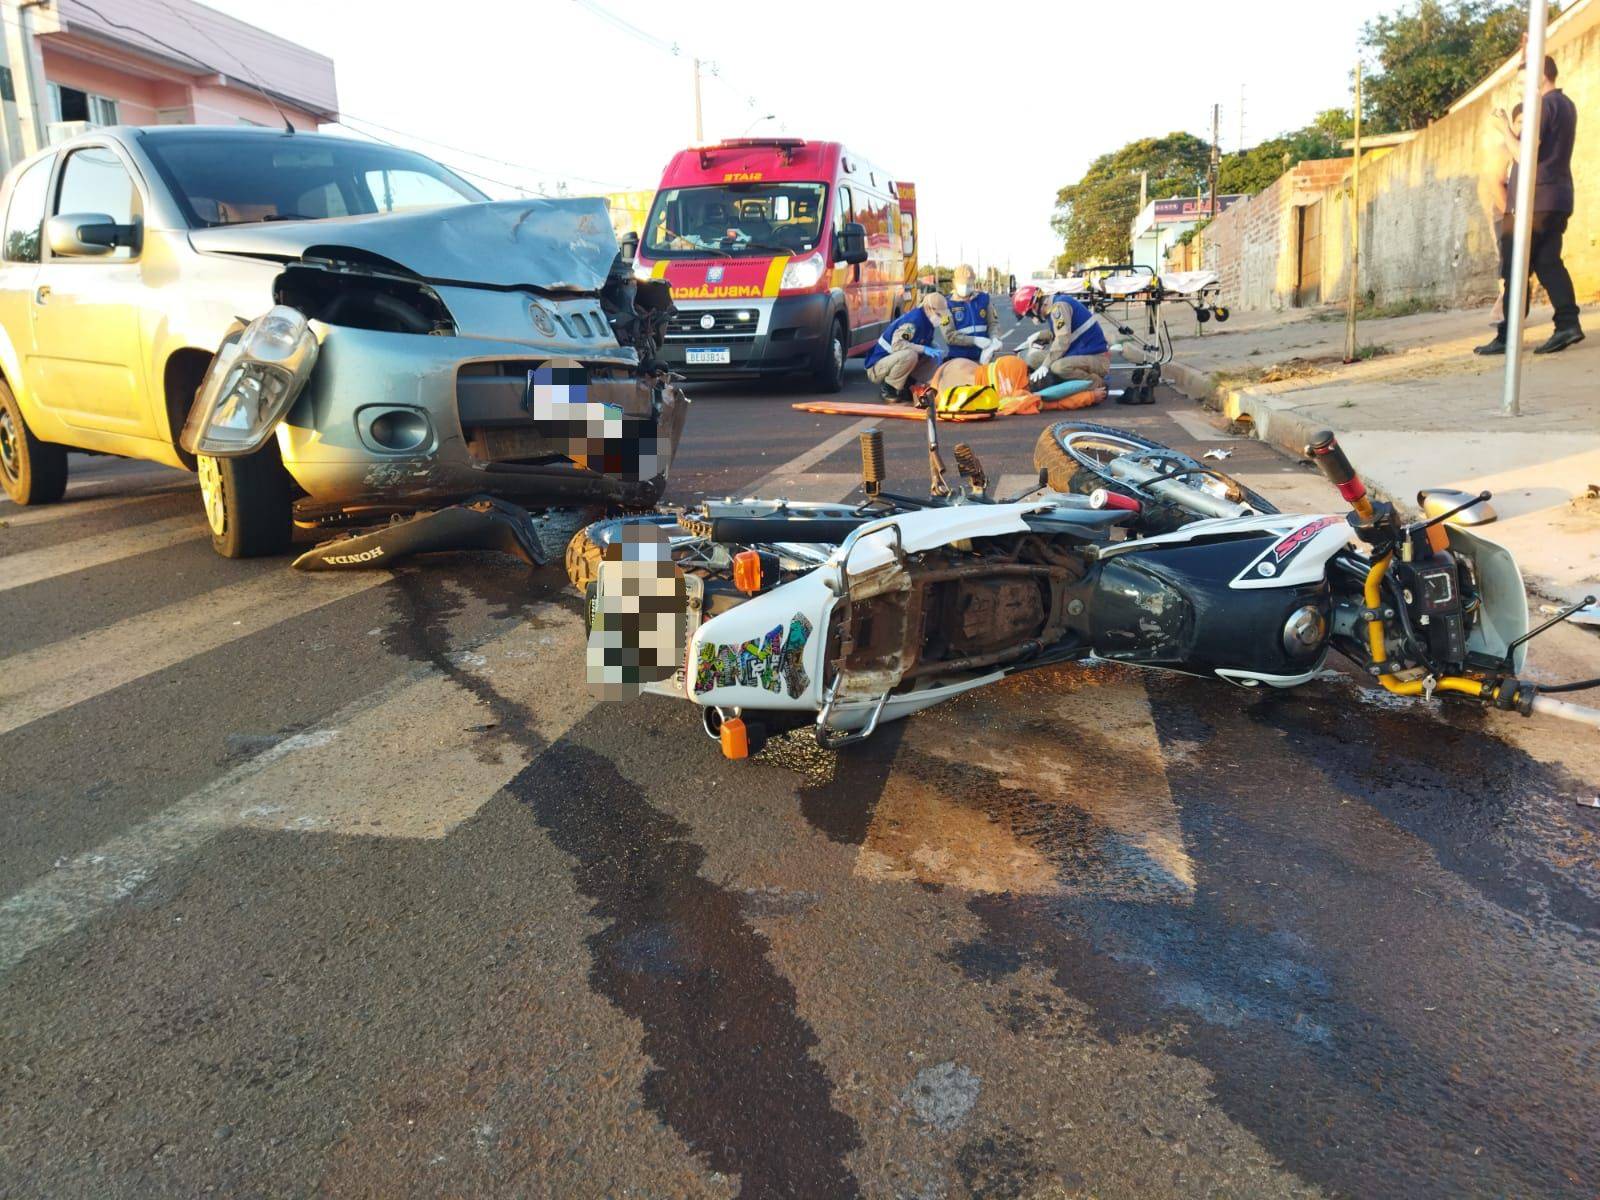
25,217
227,178
393,191
93,180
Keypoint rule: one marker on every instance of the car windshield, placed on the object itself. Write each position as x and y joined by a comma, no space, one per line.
736,219
234,179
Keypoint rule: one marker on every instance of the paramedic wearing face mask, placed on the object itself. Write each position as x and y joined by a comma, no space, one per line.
973,317
1077,347
911,349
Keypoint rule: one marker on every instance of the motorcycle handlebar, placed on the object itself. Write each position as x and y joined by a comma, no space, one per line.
1332,461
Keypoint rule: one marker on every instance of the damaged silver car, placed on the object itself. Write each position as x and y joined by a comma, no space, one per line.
329,331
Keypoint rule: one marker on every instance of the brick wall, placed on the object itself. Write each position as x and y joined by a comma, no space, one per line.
1253,247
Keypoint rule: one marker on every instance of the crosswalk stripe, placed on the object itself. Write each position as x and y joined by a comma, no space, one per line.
34,566
15,517
1069,738
49,678
414,758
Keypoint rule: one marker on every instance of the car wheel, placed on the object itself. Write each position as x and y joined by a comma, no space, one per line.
828,376
32,472
248,503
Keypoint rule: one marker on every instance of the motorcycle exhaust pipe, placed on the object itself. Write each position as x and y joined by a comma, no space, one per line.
1174,490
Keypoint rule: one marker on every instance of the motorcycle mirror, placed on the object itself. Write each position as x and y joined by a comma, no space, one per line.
1456,507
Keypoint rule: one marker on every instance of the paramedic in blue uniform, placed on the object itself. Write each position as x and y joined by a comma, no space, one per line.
1076,348
911,349
972,315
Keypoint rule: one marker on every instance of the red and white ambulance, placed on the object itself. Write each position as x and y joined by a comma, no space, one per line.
785,256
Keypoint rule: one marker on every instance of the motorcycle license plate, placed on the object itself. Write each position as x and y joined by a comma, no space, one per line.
709,356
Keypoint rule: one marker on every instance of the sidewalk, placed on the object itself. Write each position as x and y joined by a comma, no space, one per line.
1424,411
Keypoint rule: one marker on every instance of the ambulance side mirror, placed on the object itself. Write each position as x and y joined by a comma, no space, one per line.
850,243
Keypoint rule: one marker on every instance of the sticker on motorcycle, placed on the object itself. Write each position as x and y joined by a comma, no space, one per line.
765,662
1301,536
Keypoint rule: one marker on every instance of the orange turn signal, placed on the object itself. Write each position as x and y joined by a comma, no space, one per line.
747,574
1438,539
735,741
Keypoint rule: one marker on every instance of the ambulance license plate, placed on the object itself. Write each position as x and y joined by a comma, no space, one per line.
708,356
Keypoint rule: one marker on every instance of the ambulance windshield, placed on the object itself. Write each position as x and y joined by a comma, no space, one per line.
736,220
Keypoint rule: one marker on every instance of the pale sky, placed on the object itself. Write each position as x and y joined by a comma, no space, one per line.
987,116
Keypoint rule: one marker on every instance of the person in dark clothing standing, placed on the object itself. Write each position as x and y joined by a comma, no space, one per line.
1552,207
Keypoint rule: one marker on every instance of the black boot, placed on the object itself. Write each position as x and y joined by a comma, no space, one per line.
891,394
1497,346
1560,340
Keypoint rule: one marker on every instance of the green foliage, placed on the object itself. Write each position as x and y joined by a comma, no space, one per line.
1093,215
1433,51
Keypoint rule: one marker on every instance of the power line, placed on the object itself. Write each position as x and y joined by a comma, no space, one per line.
674,49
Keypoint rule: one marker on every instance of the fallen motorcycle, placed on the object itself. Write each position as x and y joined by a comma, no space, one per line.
772,615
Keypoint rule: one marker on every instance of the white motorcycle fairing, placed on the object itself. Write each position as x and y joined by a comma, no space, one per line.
771,652
1300,554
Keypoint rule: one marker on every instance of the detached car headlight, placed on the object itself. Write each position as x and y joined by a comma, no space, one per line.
253,381
802,272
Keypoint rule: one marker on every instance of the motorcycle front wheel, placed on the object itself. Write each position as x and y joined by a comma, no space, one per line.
1075,454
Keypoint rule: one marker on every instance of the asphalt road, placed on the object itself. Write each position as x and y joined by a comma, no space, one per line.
343,885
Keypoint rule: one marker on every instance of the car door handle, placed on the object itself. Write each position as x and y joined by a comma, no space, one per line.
41,294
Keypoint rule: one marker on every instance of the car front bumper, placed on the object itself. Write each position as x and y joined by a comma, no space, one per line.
477,440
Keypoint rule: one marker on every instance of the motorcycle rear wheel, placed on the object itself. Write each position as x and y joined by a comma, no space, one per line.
1074,455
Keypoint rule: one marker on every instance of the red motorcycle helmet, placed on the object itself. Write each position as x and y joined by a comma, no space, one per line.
1022,300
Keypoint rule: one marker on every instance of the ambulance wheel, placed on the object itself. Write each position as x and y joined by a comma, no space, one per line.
1221,314
828,375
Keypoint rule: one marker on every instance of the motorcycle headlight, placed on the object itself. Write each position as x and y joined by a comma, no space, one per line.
251,385
641,270
802,272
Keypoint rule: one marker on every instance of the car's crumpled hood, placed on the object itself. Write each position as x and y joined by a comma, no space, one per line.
558,245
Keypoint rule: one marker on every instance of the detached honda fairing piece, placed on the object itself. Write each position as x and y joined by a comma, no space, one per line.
846,617
342,331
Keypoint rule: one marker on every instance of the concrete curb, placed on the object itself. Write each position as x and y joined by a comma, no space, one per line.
1269,422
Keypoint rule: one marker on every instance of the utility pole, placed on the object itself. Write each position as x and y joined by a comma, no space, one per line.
1144,189
1216,157
699,131
1522,234
1354,286
1241,118
27,73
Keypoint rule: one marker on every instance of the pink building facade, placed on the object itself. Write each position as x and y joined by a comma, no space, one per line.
149,62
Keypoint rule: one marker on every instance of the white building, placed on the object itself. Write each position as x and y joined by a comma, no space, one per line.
1162,222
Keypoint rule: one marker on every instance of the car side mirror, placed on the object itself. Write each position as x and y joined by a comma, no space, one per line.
850,243
72,235
628,246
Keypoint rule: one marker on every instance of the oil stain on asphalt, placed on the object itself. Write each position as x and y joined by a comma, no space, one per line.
1371,1055
732,1068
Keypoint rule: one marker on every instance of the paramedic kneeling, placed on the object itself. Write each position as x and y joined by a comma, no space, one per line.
911,349
1077,348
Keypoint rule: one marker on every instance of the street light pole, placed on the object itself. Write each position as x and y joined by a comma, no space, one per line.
1522,235
699,132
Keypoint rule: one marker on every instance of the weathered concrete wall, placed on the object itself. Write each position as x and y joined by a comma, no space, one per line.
1426,227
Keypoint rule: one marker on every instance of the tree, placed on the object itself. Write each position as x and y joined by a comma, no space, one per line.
1093,216
1433,52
